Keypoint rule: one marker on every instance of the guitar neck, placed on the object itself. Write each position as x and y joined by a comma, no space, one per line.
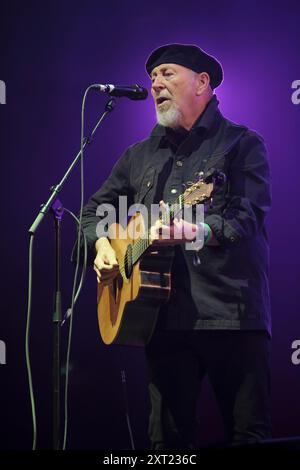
142,244
194,194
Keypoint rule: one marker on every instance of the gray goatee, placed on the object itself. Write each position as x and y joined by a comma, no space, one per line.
169,118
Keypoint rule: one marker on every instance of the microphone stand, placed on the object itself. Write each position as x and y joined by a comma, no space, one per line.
57,209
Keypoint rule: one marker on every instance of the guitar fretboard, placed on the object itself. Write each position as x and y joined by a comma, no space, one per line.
143,243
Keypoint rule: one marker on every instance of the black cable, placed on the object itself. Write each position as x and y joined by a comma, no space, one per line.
77,260
124,387
27,354
84,266
109,107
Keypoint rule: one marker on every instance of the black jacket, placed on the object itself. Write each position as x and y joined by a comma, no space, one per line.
229,288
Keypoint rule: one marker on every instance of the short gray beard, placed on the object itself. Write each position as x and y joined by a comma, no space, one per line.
170,118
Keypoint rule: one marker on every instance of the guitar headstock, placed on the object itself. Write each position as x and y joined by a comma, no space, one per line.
197,193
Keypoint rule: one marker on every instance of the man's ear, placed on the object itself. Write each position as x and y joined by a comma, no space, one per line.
203,82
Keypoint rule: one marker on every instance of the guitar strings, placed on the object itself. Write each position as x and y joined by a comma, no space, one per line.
138,248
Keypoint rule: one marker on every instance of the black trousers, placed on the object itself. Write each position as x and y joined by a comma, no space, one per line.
238,366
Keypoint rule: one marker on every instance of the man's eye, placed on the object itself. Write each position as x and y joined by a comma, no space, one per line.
165,74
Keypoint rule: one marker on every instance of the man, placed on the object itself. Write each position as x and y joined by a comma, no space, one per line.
217,320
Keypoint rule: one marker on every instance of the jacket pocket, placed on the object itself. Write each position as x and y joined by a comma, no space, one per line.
146,185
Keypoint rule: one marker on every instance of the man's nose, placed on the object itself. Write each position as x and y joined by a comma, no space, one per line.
157,84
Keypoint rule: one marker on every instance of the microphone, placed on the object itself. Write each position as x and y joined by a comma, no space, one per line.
133,92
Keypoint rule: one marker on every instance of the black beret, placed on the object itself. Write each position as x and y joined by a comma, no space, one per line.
189,56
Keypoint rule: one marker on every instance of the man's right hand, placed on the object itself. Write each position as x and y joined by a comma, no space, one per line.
105,263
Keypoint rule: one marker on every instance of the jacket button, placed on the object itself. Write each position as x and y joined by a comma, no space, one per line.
232,239
173,191
179,163
148,184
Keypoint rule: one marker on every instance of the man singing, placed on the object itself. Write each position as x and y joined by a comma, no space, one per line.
217,319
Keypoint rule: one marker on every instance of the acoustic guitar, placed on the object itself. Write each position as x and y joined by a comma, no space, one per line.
128,307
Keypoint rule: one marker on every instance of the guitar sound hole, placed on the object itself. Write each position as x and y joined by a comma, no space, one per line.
128,261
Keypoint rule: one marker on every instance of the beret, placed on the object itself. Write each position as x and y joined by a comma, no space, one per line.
189,56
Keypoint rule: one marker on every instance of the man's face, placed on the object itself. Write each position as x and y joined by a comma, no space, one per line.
174,90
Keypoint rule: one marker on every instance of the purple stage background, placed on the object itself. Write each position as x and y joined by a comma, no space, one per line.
50,52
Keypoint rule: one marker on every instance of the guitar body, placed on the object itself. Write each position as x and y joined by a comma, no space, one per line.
129,306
